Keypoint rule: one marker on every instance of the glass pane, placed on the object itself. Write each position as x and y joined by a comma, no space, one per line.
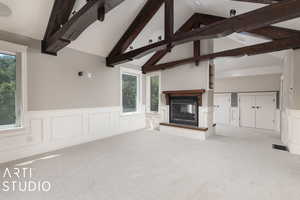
129,92
154,93
7,89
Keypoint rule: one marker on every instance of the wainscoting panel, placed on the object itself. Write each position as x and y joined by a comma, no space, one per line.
293,131
71,126
55,129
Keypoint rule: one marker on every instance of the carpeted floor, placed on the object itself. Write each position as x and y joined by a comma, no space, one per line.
238,164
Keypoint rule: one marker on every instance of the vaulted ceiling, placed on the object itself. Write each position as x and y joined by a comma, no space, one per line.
30,18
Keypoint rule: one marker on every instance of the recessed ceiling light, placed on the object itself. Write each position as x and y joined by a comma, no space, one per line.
5,11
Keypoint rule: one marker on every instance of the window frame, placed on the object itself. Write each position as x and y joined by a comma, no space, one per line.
138,75
20,52
148,92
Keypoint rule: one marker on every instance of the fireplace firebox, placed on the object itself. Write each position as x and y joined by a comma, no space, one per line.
184,110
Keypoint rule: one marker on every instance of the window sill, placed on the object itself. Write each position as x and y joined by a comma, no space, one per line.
153,113
9,129
130,114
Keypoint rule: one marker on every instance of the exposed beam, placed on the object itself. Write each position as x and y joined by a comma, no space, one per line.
60,14
268,47
262,17
142,19
169,19
268,32
261,1
187,26
197,50
197,46
91,12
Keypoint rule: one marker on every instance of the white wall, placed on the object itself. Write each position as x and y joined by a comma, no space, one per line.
249,84
65,109
189,76
290,117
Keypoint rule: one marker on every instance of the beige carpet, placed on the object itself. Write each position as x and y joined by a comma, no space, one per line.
239,164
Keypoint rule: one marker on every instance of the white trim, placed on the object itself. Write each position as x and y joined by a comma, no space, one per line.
50,130
19,50
148,92
138,74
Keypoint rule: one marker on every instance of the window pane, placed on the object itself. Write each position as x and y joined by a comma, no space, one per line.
154,83
129,92
7,89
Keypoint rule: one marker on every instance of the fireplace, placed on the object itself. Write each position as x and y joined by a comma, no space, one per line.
183,107
184,110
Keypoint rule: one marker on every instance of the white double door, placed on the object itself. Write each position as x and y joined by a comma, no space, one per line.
222,104
257,111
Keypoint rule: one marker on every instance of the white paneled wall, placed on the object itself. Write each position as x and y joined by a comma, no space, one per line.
293,131
52,130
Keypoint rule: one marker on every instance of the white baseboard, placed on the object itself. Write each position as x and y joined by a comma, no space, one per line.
56,129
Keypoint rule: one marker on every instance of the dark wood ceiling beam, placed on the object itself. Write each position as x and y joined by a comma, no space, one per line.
197,50
93,10
60,14
268,47
187,26
197,46
259,18
261,1
169,19
267,32
142,19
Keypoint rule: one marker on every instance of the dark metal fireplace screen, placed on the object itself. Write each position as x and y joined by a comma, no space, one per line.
184,110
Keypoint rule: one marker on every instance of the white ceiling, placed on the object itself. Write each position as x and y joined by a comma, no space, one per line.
30,18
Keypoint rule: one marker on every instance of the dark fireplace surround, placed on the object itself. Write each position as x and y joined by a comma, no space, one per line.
183,107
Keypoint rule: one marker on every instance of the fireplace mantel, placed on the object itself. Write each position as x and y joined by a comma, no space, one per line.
178,93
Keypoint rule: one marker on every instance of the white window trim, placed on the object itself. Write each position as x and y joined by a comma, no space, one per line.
138,74
21,52
148,92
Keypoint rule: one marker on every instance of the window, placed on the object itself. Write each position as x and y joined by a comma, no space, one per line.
153,92
130,81
8,82
13,60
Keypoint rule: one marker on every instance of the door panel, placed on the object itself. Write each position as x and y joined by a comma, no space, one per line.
222,109
247,111
265,112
